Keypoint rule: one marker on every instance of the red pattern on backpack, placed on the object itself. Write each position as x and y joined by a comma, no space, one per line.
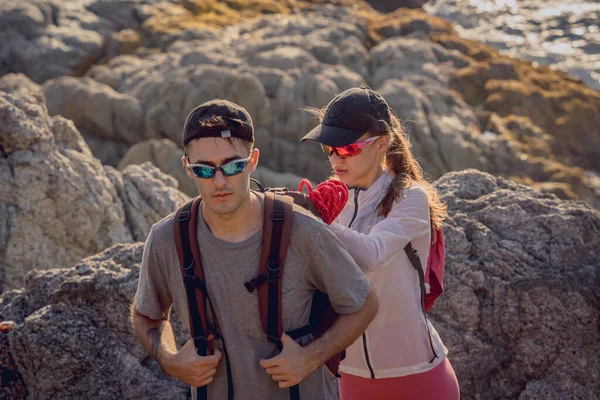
434,273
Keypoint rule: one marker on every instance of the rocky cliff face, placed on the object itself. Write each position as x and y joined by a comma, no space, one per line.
519,313
58,203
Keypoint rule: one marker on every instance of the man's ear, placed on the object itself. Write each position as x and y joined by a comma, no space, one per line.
255,155
184,161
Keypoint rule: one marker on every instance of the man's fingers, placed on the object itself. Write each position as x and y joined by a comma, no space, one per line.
280,377
212,359
207,374
275,370
271,362
287,384
204,382
218,354
286,339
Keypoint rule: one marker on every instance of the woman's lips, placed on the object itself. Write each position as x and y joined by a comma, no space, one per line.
340,171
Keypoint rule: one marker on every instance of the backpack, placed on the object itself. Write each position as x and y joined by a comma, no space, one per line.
277,226
431,280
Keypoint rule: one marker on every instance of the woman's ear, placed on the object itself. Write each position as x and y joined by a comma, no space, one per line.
383,143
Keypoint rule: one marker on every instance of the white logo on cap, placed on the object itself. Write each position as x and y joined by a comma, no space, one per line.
226,133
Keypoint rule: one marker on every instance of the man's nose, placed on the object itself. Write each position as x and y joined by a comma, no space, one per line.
219,179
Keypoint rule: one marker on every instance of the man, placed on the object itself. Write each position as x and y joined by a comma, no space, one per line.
218,138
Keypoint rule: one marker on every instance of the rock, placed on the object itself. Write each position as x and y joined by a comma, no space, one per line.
19,83
166,156
126,41
285,58
73,337
122,14
562,106
44,40
408,22
387,6
519,311
109,121
522,151
58,203
12,385
96,108
147,194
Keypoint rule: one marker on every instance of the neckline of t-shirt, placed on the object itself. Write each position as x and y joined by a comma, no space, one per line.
208,235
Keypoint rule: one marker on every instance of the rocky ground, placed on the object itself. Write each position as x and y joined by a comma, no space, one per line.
93,95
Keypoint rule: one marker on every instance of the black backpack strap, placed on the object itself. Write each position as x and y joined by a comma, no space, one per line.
274,268
191,280
197,312
277,227
188,253
413,256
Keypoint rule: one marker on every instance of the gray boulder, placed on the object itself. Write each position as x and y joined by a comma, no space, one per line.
58,203
108,120
73,337
45,39
387,6
519,313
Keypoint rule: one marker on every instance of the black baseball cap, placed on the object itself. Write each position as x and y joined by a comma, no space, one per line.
239,123
350,115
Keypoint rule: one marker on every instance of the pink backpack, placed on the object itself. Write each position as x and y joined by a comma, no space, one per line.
432,280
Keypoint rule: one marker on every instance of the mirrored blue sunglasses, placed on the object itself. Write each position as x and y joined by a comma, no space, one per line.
231,168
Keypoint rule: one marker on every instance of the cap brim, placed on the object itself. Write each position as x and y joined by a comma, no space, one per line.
333,135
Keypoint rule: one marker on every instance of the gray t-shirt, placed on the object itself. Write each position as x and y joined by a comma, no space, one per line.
316,259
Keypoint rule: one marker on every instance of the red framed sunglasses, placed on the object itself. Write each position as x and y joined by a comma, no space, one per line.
349,150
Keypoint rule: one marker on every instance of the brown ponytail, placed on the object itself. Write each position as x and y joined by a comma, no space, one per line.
406,170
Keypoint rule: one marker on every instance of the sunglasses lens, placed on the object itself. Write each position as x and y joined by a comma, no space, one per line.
234,168
327,149
349,150
203,172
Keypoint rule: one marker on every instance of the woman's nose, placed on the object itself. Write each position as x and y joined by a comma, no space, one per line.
335,157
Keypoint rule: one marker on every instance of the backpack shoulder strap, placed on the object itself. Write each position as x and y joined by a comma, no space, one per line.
415,260
185,232
277,227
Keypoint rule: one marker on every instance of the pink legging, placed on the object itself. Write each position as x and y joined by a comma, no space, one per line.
439,383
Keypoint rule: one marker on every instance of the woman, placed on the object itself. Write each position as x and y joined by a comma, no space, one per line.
390,204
